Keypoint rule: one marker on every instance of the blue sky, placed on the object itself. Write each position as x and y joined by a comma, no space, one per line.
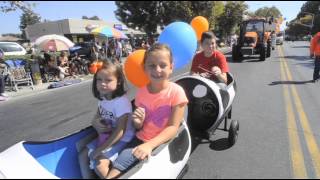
289,9
56,10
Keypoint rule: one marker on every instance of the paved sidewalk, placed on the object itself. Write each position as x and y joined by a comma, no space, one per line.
27,90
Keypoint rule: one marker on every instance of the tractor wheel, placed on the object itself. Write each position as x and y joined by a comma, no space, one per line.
269,50
235,54
263,54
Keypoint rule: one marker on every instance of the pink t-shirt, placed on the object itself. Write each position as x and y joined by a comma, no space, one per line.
158,108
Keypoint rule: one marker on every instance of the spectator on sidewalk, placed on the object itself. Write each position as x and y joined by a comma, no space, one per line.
65,68
315,52
95,48
145,45
3,96
111,49
53,67
233,40
118,50
210,63
273,39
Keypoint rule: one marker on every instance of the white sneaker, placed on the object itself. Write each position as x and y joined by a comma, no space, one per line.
2,98
4,95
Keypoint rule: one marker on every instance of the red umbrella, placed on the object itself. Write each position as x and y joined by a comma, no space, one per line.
54,45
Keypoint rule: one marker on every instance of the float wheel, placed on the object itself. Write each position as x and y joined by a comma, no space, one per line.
233,132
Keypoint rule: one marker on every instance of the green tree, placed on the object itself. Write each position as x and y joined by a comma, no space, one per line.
148,15
12,34
7,6
177,11
91,18
296,30
85,17
217,11
231,17
28,18
267,12
187,10
144,15
311,7
250,14
202,8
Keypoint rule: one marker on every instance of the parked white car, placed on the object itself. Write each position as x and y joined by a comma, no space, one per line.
279,39
12,48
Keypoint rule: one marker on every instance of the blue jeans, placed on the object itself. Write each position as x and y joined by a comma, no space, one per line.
126,159
316,68
110,153
1,84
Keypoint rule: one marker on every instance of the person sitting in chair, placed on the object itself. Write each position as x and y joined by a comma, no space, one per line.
63,65
3,96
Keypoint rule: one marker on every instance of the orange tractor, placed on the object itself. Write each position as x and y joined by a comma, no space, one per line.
254,39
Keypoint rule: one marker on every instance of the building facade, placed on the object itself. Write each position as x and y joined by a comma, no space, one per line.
74,29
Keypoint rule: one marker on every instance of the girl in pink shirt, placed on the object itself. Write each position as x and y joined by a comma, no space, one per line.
159,112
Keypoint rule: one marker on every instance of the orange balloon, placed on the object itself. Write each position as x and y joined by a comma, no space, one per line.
93,68
99,64
133,68
200,24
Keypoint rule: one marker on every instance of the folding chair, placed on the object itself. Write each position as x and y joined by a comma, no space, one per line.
18,74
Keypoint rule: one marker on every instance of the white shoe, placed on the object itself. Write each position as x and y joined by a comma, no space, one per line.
2,98
4,95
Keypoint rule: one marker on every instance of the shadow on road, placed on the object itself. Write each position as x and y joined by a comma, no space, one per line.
305,61
300,58
300,46
246,59
290,82
220,144
217,145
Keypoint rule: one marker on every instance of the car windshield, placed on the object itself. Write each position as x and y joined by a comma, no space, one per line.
254,26
10,47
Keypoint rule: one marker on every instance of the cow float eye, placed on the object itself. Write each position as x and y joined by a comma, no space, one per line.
199,91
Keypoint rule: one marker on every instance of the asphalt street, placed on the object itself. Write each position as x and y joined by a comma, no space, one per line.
276,104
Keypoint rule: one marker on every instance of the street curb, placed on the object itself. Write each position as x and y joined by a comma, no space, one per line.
42,88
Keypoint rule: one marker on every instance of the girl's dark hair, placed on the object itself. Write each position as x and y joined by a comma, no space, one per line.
116,69
158,47
207,35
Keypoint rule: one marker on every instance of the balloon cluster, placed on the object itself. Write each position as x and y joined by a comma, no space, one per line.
182,40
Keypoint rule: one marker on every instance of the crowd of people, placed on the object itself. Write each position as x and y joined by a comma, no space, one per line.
73,64
56,66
